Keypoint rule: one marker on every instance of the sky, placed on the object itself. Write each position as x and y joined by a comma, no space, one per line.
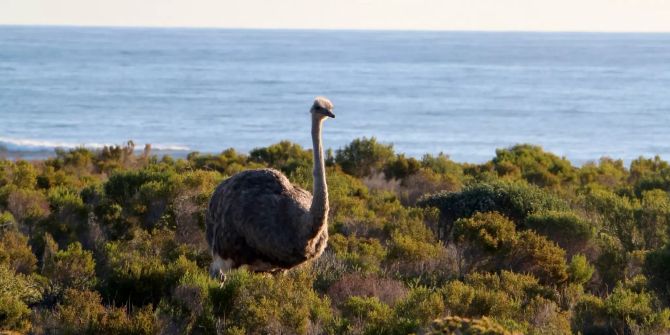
496,15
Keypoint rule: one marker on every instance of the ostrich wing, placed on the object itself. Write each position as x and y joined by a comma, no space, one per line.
262,211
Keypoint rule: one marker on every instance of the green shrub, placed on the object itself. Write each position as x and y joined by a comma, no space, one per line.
649,174
82,312
363,157
16,253
483,241
657,269
608,173
483,251
629,311
611,262
367,315
228,162
513,200
363,254
260,304
476,297
653,218
419,307
70,268
616,215
567,229
536,166
28,207
6,221
545,317
285,156
143,270
24,175
401,167
17,292
580,271
539,256
455,325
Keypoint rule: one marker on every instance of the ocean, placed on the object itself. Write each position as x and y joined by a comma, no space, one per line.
579,95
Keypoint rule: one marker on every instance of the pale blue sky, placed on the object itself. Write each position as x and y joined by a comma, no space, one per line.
545,15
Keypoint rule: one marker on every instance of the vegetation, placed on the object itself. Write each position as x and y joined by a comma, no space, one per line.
112,242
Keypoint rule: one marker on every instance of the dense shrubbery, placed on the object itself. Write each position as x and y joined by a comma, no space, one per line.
112,242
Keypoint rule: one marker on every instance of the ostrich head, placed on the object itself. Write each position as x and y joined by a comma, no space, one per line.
322,107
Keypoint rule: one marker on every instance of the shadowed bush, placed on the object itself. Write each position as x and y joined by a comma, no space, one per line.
514,200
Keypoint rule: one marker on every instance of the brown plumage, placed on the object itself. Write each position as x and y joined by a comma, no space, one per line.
257,218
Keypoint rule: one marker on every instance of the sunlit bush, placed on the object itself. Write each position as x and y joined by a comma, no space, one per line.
17,292
254,303
16,253
454,325
70,268
533,164
363,157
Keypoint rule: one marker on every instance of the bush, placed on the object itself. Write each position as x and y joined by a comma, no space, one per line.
17,292
363,254
514,200
16,253
545,317
24,175
489,241
367,315
363,157
259,304
539,256
502,296
285,156
401,167
82,312
631,312
71,268
483,241
611,262
143,270
567,229
657,269
535,165
616,214
608,173
389,267
653,218
228,162
419,307
454,325
387,290
580,271
28,207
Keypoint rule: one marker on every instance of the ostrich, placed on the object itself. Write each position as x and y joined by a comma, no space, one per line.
257,219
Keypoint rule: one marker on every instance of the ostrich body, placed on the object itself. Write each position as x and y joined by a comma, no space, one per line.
258,219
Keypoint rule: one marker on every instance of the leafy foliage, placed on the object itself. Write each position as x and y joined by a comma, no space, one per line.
514,200
112,242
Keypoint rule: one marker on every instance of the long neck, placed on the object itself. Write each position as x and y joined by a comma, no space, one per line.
319,208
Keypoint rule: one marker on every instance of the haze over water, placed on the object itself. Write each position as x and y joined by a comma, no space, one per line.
465,94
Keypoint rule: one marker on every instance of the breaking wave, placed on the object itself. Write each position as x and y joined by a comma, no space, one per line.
31,145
